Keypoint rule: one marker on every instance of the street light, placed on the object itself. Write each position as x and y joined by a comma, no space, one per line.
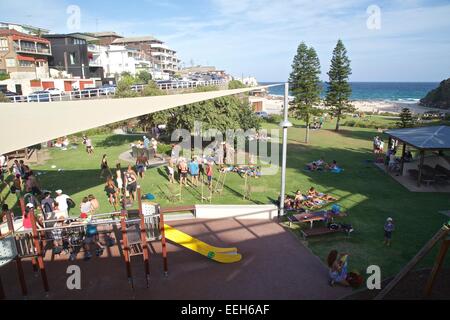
285,124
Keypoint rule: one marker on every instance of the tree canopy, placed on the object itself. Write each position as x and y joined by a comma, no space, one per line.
305,84
339,90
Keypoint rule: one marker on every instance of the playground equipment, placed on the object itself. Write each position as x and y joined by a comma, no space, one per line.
247,187
221,255
220,184
441,235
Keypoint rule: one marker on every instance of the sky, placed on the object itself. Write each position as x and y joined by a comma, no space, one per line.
387,40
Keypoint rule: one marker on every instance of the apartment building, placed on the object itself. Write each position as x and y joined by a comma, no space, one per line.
70,54
24,56
23,28
164,59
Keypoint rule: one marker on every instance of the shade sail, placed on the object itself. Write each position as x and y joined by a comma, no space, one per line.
27,124
426,138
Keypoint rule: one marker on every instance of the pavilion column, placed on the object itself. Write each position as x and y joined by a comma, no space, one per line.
402,164
422,162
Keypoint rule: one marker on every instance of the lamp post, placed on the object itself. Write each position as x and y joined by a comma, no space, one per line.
285,124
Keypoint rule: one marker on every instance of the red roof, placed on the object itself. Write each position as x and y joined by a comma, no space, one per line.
16,35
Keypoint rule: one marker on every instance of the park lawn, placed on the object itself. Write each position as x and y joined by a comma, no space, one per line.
369,195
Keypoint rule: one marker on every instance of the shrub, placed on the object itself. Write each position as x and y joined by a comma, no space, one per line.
3,98
152,89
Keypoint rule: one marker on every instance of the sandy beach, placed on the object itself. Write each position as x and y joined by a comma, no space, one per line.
372,106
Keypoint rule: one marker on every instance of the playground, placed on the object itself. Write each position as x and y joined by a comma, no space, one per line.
275,266
276,259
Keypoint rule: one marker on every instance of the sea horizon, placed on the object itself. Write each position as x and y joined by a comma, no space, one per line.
398,92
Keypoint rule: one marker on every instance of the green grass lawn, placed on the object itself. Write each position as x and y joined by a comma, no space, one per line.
369,195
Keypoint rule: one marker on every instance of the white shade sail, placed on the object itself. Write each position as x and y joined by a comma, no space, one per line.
27,124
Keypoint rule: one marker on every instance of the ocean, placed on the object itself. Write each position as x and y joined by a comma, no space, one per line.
405,92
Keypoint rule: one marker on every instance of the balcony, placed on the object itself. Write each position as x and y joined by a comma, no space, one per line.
33,49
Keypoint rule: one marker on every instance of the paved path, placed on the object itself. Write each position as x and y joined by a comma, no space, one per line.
275,266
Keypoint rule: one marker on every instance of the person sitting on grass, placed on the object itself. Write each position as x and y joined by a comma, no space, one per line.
389,228
288,203
338,264
300,200
313,194
332,166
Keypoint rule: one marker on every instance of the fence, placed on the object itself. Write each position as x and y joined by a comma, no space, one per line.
108,92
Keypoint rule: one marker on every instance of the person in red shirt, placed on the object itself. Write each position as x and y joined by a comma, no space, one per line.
209,173
26,218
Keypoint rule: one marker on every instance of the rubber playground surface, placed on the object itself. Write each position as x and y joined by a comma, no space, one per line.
275,265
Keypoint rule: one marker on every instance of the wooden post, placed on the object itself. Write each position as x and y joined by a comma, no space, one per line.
126,250
144,245
437,267
163,240
38,248
422,162
402,164
20,273
441,234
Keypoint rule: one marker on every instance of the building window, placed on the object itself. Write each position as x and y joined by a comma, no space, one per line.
72,58
78,41
26,64
10,63
4,45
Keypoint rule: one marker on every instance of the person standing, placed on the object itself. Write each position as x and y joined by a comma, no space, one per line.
155,147
131,182
119,178
88,143
194,170
105,167
141,164
209,173
389,229
171,172
5,212
183,169
48,206
62,200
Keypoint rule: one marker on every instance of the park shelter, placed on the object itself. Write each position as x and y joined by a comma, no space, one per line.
425,139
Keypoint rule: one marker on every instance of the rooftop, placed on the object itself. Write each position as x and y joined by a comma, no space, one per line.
104,34
426,138
12,32
137,39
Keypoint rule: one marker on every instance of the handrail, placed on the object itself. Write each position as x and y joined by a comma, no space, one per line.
106,92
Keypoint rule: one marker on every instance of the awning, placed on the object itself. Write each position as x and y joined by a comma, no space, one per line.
25,58
69,117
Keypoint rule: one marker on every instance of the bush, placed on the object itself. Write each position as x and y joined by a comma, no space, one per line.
4,76
3,98
152,89
236,84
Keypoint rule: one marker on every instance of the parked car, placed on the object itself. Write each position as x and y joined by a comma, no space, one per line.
85,93
39,96
262,114
107,89
55,92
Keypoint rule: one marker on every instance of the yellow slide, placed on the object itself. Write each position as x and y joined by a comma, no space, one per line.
222,255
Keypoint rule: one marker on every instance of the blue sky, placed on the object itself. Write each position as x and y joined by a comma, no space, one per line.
260,37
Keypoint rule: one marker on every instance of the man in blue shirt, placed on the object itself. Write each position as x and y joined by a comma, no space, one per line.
194,171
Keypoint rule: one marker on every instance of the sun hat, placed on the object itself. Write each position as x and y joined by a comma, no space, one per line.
59,191
30,205
390,219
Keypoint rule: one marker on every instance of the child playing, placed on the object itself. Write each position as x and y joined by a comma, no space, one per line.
171,172
389,228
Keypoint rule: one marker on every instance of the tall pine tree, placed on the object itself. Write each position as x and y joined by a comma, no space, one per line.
305,83
339,90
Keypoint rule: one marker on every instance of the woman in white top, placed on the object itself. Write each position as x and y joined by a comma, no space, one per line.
119,179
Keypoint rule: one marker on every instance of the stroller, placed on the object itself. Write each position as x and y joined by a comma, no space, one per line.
73,241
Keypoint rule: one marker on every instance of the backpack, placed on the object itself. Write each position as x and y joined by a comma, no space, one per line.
70,203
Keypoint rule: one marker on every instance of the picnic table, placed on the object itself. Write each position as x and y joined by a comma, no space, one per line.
314,217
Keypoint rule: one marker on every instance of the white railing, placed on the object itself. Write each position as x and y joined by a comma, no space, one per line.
99,93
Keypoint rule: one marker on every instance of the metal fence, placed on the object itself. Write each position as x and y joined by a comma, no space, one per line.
108,92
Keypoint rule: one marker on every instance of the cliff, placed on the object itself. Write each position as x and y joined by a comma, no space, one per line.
438,98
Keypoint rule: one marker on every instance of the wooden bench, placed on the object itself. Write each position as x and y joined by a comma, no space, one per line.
318,232
314,217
